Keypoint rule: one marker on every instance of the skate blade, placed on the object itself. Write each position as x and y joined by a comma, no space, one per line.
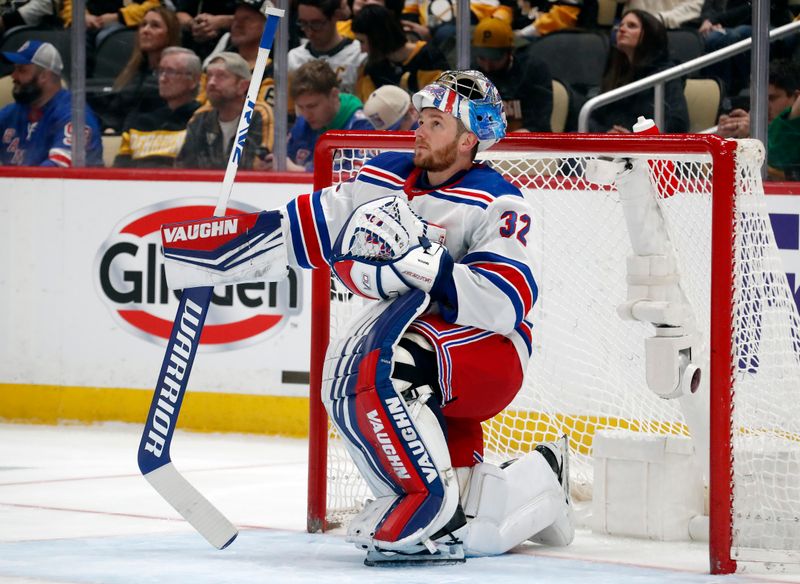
446,555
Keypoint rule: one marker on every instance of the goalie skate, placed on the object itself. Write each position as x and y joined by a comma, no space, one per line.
558,453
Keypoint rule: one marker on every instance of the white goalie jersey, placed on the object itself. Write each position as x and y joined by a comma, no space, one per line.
487,227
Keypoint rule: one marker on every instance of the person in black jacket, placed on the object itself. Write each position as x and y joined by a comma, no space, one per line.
640,51
154,139
524,82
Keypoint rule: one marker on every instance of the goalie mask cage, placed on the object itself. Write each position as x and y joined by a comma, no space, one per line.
587,369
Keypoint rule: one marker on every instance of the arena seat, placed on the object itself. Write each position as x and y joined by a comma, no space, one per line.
685,44
703,97
113,53
561,105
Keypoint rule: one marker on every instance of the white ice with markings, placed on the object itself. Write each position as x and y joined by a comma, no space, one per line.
74,509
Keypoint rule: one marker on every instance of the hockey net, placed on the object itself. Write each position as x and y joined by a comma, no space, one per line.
587,372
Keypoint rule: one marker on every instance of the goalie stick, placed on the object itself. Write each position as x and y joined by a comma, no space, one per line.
154,448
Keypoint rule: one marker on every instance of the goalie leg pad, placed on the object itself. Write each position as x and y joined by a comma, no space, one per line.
224,250
507,506
398,443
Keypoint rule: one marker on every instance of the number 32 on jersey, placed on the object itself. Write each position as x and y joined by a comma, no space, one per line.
515,226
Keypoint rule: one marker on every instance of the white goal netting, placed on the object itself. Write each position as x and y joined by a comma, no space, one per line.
587,372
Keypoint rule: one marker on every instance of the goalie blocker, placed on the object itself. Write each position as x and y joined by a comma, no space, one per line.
224,250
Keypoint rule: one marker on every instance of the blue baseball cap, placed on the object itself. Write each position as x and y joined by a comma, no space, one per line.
38,53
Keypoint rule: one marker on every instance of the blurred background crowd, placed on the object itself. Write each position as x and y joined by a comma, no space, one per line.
166,79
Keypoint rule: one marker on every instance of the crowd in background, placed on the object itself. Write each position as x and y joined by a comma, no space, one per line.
353,64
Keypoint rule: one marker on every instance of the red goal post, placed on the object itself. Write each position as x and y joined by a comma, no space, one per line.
722,182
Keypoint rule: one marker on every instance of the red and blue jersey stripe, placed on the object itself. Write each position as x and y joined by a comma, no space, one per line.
311,241
512,277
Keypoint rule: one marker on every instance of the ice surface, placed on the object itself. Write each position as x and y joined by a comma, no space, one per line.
74,509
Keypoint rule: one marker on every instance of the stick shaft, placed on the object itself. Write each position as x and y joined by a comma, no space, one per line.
270,27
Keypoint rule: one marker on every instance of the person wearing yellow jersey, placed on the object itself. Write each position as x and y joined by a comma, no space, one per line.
549,16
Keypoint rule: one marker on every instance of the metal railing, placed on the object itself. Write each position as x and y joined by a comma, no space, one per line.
657,80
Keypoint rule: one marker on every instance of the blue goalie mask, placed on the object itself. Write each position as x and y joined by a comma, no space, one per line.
470,97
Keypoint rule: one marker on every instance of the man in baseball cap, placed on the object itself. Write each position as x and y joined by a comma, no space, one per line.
493,41
524,84
389,108
37,128
211,131
38,53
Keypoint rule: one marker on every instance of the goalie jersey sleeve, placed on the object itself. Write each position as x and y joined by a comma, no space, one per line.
488,234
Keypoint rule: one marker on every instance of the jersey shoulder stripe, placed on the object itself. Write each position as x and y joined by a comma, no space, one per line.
487,180
399,163
467,194
380,177
446,195
479,187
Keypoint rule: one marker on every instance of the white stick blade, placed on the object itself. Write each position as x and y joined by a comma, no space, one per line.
193,506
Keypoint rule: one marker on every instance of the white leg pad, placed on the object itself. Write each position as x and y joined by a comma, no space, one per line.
507,506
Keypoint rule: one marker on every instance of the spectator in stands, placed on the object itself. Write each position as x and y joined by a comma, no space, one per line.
154,139
671,13
212,129
434,20
136,87
320,106
105,16
244,38
640,51
389,108
392,59
782,91
317,20
557,15
783,143
523,82
725,22
28,12
344,27
203,23
783,133
36,129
